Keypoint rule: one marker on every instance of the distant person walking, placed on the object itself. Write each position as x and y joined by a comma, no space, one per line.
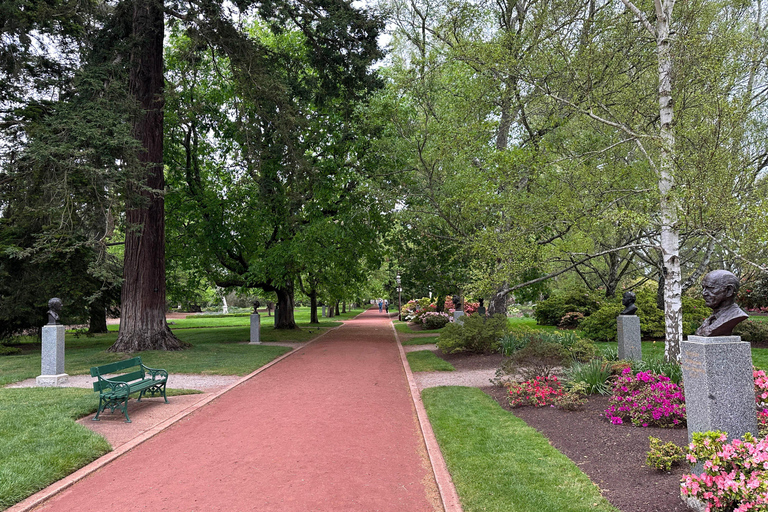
381,305
386,306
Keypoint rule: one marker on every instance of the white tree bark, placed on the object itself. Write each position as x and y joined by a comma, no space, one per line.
670,236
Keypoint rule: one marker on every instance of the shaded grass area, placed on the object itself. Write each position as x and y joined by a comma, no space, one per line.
406,328
427,361
40,441
498,463
214,351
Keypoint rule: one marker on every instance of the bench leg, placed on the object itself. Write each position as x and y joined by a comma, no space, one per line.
125,410
101,408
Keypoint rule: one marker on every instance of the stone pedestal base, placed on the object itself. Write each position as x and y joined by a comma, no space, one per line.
630,347
51,381
52,357
719,387
255,329
693,503
457,317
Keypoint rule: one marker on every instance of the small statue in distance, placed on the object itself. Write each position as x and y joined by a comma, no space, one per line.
456,302
628,301
256,305
719,289
54,308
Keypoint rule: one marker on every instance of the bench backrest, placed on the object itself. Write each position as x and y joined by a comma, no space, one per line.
134,364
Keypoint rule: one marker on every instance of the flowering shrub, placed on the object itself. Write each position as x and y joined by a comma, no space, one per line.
544,391
647,400
538,392
434,320
761,397
735,477
571,320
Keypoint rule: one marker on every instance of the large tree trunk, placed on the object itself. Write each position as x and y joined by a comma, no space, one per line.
498,302
98,318
142,318
285,305
313,308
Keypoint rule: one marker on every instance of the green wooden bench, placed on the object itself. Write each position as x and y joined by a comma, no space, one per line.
133,377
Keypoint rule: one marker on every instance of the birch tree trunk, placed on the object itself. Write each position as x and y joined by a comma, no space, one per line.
670,235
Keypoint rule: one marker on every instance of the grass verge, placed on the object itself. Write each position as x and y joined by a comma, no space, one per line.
427,361
40,441
421,340
498,463
214,351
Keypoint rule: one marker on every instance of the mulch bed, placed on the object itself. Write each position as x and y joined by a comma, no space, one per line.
613,456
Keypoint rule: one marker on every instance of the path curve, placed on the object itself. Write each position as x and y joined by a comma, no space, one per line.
331,428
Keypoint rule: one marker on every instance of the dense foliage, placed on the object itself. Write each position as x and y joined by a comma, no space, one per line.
601,324
475,334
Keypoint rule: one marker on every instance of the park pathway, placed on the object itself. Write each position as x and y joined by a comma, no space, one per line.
330,428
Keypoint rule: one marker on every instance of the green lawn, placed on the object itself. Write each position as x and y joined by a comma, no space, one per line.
530,322
300,315
218,351
421,340
427,361
499,464
655,349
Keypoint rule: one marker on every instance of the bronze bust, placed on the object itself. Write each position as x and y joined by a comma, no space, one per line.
628,301
54,308
456,302
719,289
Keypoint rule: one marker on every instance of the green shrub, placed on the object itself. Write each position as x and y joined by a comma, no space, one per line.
571,320
5,350
593,375
752,331
537,359
601,325
582,350
477,335
664,456
434,320
550,311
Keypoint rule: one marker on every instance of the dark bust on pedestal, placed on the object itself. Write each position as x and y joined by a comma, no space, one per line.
628,301
719,289
256,306
456,302
54,308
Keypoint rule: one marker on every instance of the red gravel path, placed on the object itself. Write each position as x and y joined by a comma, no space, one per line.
331,428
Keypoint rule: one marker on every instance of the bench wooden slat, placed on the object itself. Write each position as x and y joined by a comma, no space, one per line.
115,367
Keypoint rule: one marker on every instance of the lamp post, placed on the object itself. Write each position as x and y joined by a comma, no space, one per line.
399,300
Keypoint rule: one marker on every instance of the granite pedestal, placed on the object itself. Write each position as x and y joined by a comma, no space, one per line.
52,357
255,329
630,347
719,386
457,317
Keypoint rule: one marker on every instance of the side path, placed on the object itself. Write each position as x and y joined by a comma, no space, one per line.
331,428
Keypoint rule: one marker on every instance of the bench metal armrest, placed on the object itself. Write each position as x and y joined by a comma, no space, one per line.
156,373
116,386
